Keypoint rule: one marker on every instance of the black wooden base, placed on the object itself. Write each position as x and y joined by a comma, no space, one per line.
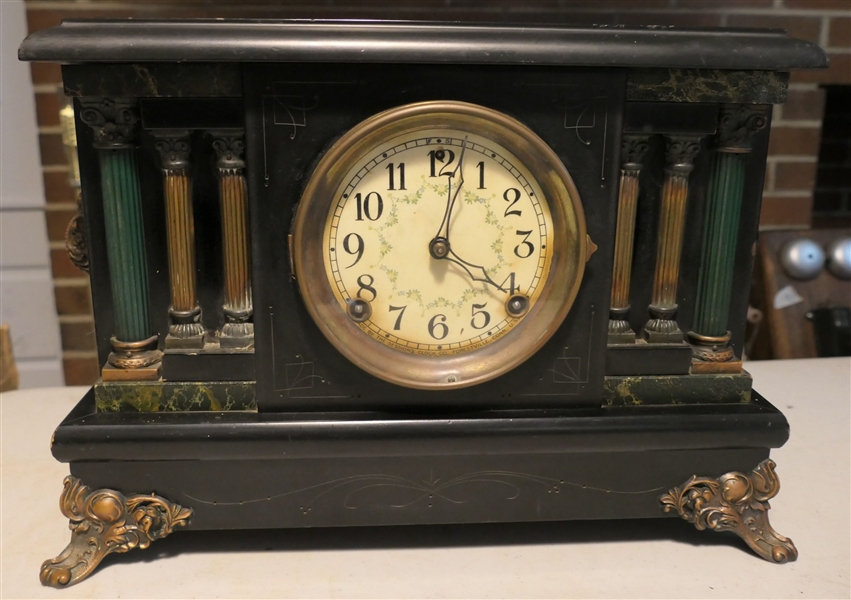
258,470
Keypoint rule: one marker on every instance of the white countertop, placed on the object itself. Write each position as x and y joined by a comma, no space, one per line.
665,558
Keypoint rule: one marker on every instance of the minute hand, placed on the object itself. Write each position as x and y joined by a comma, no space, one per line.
443,231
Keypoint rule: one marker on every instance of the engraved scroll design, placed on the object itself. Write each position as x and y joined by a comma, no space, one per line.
736,502
105,521
396,492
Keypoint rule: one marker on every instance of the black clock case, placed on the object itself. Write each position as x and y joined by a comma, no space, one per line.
297,368
330,445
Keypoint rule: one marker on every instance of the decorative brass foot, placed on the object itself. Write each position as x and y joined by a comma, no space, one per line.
734,502
103,522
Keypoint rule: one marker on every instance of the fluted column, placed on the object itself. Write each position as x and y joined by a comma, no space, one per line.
709,336
680,152
633,149
185,329
238,329
134,342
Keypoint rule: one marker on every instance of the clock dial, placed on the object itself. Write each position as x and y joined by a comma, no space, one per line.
438,245
439,242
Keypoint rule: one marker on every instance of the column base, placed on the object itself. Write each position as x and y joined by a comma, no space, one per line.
713,354
662,328
105,521
661,331
237,335
133,361
736,502
620,331
185,331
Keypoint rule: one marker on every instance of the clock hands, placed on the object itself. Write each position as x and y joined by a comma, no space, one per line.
439,246
443,231
484,277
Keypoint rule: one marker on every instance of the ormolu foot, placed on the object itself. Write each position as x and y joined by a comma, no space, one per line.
103,522
734,502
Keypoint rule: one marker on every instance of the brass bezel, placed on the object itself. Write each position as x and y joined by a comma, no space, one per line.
498,357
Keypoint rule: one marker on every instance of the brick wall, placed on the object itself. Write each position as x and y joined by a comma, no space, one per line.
795,136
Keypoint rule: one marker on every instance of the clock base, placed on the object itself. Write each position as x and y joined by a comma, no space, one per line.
255,470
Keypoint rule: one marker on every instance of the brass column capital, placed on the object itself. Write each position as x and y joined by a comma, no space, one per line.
737,126
113,120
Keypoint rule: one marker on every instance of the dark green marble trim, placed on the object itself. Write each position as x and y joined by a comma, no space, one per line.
162,396
153,80
676,389
698,85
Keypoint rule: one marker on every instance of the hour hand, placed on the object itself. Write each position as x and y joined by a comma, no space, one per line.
439,248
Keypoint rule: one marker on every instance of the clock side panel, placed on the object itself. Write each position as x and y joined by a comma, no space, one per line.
294,113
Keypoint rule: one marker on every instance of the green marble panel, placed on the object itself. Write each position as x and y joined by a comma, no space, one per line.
707,85
164,396
634,390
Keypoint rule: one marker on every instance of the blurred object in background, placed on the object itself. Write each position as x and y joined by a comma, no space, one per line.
8,370
807,305
832,199
832,328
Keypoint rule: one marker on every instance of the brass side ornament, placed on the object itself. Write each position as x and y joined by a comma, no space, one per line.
75,233
736,502
103,522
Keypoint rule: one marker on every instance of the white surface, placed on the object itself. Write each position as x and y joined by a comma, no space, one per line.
23,239
26,288
613,559
26,296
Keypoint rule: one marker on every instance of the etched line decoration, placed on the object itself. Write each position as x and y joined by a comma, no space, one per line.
420,490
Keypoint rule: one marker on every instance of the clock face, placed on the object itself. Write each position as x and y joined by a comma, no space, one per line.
438,245
439,242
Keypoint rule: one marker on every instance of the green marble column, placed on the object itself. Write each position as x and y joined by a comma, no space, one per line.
114,122
128,269
709,336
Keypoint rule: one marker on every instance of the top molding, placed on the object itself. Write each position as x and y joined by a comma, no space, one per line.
209,40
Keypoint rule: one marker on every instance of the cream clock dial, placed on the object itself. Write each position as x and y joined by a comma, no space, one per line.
439,244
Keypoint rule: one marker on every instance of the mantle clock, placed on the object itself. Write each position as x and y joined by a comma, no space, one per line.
391,273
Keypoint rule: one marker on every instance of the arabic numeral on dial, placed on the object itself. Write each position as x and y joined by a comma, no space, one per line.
512,196
438,328
391,170
525,248
370,205
401,310
481,168
486,318
347,246
512,286
365,282
445,158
